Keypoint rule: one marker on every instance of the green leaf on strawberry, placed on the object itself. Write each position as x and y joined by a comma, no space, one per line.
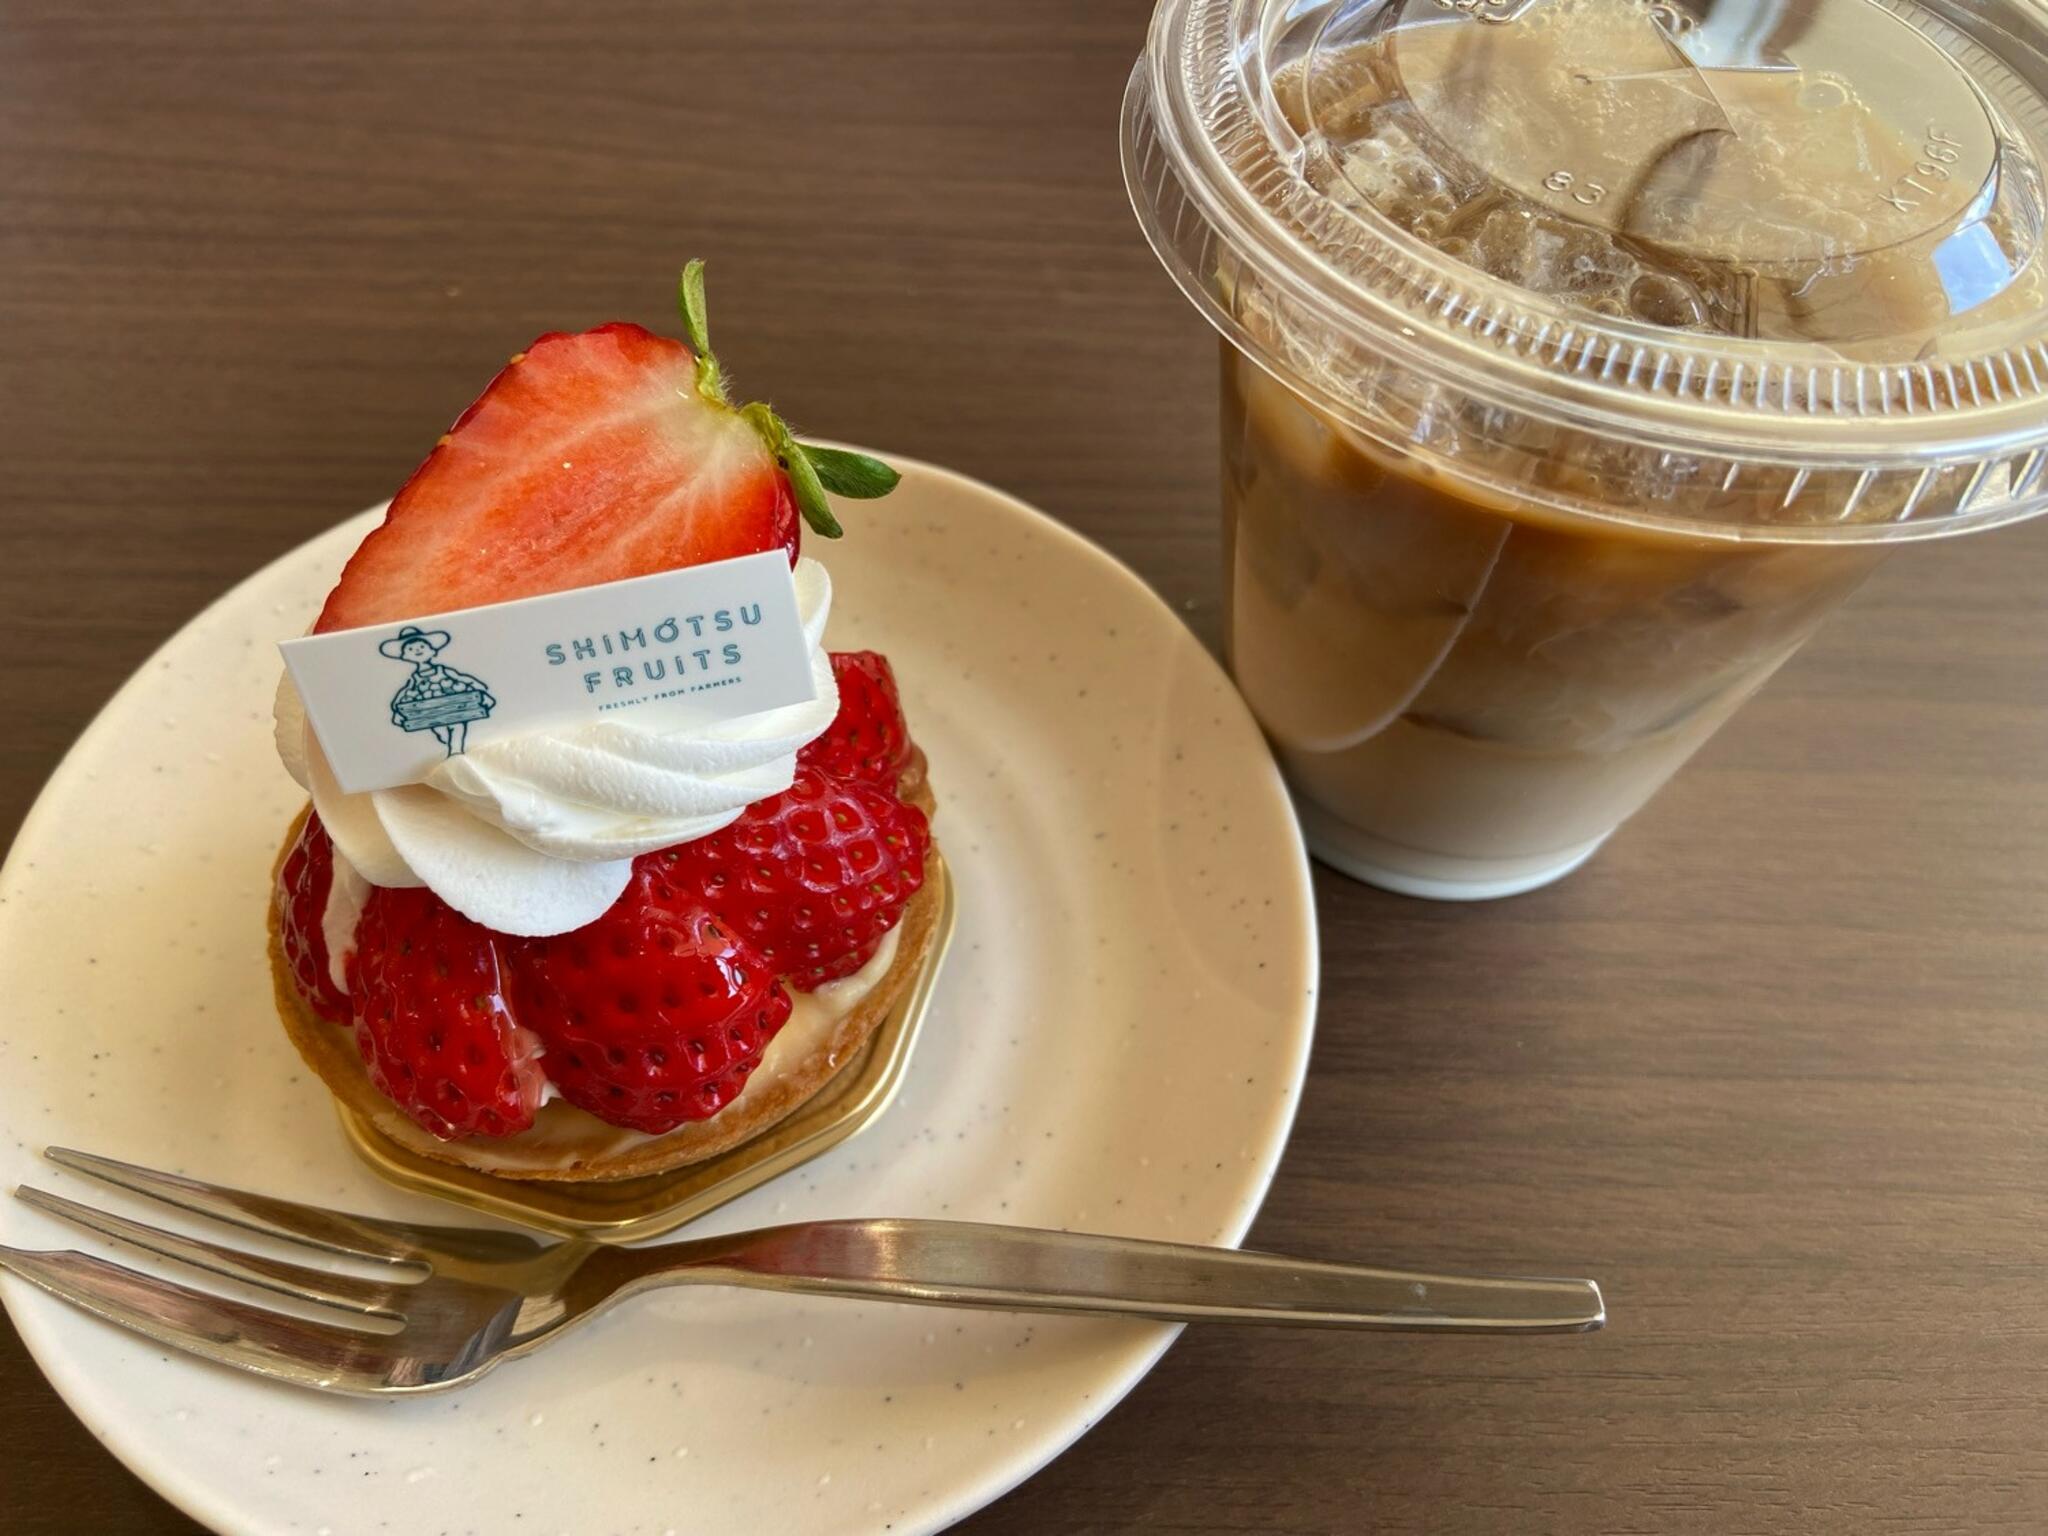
812,469
853,475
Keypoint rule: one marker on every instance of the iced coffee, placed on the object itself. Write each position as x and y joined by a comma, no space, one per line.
1580,356
1455,689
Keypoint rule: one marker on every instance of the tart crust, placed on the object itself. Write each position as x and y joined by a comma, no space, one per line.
582,1148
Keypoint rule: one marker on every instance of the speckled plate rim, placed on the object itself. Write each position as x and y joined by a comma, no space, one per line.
39,1319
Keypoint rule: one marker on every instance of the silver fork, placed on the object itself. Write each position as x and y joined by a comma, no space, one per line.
448,1303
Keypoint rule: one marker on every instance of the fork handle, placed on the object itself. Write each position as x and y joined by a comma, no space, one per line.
1026,1269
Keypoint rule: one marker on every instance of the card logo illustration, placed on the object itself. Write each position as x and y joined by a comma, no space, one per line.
436,697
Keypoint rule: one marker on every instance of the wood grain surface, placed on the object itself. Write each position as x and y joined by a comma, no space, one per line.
1773,1066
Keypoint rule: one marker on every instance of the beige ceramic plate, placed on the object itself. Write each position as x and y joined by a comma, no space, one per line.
1115,1043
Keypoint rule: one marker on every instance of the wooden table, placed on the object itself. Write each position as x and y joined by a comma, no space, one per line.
1774,1066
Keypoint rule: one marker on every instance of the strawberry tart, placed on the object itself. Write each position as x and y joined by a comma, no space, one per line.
597,951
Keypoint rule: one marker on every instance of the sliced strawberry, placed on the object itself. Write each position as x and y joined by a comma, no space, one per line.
590,458
813,876
867,740
302,886
432,1022
653,1015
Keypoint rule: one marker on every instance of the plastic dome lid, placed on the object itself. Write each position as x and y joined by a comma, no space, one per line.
1771,268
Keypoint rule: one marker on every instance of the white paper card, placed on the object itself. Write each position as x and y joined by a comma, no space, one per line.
663,652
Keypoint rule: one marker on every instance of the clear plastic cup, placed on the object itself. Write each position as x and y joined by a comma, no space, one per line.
1580,356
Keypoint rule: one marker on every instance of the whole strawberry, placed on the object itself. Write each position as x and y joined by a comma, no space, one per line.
653,1015
432,1022
302,886
867,740
814,876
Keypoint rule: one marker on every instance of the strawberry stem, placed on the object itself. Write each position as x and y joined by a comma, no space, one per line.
697,327
813,470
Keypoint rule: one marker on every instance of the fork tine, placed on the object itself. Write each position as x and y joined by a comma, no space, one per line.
293,1280
361,1237
234,1333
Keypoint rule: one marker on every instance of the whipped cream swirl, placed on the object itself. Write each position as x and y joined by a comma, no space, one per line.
537,834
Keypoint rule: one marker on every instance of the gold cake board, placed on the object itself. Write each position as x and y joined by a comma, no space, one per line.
628,1210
